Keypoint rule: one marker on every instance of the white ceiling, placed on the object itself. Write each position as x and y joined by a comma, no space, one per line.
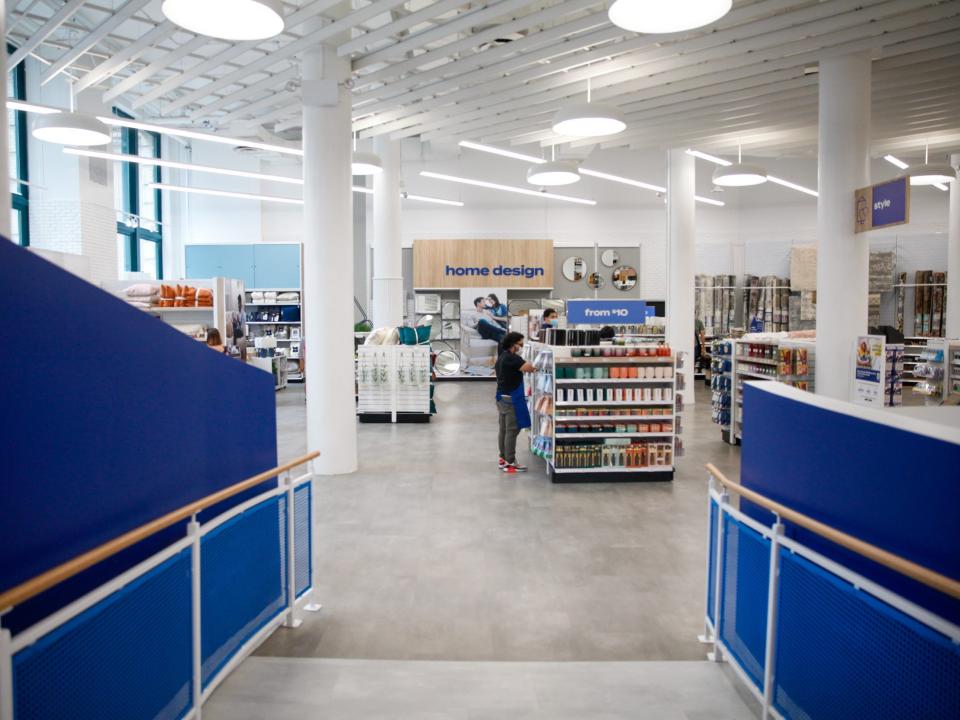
496,71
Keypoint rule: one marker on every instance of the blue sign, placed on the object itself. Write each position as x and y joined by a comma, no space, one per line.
607,312
890,202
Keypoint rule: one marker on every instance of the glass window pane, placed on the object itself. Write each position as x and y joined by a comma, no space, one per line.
148,258
146,147
15,226
121,254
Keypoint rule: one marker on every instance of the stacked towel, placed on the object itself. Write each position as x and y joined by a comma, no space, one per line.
256,297
142,295
288,297
168,296
205,297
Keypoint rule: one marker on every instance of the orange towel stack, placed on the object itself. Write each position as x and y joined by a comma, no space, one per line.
168,296
204,297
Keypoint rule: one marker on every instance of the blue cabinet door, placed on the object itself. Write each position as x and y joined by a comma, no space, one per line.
276,266
229,261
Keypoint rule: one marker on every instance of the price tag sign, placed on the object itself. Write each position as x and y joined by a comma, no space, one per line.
606,312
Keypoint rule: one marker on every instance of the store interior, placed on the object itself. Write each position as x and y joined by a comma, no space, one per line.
290,262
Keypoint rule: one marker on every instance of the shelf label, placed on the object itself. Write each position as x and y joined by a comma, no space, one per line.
882,205
608,312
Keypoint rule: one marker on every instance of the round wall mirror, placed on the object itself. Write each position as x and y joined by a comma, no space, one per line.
624,278
610,258
574,269
447,363
595,281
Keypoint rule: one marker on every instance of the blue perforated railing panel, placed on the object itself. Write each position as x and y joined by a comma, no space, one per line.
743,614
842,653
712,560
128,656
243,580
303,544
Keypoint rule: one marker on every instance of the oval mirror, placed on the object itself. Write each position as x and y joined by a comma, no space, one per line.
595,281
574,269
624,278
447,363
610,258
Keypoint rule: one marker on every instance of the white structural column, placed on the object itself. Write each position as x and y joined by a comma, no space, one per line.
328,263
4,140
387,257
842,257
681,238
953,258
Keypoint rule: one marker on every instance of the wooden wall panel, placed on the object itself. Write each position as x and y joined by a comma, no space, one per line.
482,263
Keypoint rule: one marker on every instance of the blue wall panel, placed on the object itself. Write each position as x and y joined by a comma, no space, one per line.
111,419
276,266
895,489
229,261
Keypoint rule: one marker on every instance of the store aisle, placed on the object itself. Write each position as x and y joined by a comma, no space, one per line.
281,688
430,553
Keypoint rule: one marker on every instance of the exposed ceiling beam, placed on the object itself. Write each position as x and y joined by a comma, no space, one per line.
126,55
131,81
433,10
95,36
268,83
61,16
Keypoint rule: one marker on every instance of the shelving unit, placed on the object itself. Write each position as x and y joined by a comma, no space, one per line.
931,372
287,333
603,429
954,358
784,360
393,383
912,349
721,384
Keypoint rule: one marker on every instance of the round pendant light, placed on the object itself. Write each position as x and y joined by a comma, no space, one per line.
666,16
739,174
588,119
555,172
227,19
365,163
931,174
70,128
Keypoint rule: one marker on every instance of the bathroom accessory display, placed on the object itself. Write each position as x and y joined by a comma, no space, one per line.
393,383
603,417
277,312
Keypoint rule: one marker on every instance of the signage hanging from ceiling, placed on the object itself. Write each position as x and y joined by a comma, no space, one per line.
608,312
882,205
439,264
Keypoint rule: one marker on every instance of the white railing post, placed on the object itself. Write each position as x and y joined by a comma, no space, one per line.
717,654
193,531
6,675
707,637
773,587
291,620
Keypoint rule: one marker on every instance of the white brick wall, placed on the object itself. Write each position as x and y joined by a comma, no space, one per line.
78,228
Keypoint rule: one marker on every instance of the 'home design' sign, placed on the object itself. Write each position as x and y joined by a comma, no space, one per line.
482,263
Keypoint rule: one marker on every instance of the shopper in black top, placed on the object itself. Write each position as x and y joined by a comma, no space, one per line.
511,402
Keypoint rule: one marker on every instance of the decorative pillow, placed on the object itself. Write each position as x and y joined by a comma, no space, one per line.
142,290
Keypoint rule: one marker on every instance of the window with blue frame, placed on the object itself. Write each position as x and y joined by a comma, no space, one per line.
140,229
17,145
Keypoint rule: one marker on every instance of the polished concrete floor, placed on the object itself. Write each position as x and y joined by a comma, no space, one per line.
430,553
282,688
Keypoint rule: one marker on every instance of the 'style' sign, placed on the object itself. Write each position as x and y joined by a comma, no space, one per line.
882,205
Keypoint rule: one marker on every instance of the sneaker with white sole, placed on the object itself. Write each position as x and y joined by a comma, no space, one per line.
501,462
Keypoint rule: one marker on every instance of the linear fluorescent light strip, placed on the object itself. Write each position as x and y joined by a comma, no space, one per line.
224,193
903,166
792,186
438,201
30,107
159,162
505,188
622,180
895,161
500,151
709,201
180,132
712,158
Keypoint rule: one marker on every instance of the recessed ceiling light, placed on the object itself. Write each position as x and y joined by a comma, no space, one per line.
666,16
227,19
70,128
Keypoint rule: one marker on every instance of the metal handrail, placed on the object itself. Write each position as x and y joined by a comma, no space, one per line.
899,564
46,580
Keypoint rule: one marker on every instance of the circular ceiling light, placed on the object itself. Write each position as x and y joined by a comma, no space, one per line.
664,16
70,128
931,174
587,119
365,163
227,19
739,175
556,172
